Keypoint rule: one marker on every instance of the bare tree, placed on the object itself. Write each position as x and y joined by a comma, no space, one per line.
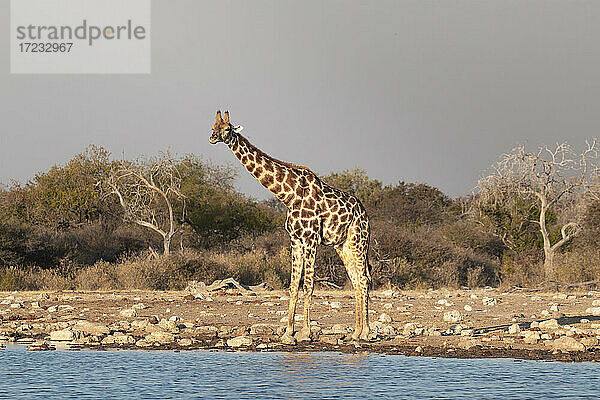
148,191
555,179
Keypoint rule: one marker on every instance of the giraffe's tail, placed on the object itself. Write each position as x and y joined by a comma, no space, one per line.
368,270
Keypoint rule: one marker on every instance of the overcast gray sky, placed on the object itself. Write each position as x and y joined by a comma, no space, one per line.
419,91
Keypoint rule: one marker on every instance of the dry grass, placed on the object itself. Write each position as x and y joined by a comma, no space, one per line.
144,271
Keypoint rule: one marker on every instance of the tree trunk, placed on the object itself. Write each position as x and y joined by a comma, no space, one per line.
549,263
548,251
167,244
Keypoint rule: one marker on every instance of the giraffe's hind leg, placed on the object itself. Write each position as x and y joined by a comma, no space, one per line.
356,269
354,255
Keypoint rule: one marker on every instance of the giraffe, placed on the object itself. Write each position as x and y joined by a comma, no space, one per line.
316,214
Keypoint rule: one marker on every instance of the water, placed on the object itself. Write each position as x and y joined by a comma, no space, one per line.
202,374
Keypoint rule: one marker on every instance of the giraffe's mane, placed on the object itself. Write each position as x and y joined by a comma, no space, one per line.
287,164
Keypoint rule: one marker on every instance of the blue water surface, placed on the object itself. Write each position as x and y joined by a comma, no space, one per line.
82,375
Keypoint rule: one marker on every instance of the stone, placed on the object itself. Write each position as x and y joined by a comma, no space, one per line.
418,349
386,319
531,337
566,343
16,305
139,306
160,337
153,320
175,318
91,328
208,331
554,308
128,312
263,329
330,339
297,317
62,335
185,342
514,329
143,343
240,341
593,310
139,324
468,308
388,293
409,328
453,316
589,341
469,343
335,304
549,324
337,329
120,338
388,306
596,303
489,301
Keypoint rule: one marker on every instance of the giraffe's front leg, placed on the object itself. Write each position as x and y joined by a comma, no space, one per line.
288,336
309,285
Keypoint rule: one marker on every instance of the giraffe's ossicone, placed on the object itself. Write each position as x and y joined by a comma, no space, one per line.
317,214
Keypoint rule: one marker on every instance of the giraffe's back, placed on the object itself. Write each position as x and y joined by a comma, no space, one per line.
339,213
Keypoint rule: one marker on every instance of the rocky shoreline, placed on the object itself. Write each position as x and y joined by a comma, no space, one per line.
485,323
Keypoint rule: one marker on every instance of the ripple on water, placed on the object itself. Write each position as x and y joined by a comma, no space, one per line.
202,374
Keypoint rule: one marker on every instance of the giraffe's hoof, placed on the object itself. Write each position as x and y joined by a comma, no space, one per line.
366,335
356,335
303,335
286,338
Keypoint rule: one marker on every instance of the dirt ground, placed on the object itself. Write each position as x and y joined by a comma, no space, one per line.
442,323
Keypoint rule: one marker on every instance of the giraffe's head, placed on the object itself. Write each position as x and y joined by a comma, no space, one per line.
222,129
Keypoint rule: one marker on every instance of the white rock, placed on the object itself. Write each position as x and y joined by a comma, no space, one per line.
489,301
240,341
386,319
128,312
593,310
62,335
388,306
335,304
91,328
337,329
549,324
474,297
531,337
514,329
554,308
121,338
566,343
139,306
160,337
388,293
453,316
596,303
468,308
175,318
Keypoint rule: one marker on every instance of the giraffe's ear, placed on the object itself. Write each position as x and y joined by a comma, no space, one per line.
219,116
226,117
238,128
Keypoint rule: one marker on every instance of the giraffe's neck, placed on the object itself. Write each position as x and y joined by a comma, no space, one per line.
278,177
